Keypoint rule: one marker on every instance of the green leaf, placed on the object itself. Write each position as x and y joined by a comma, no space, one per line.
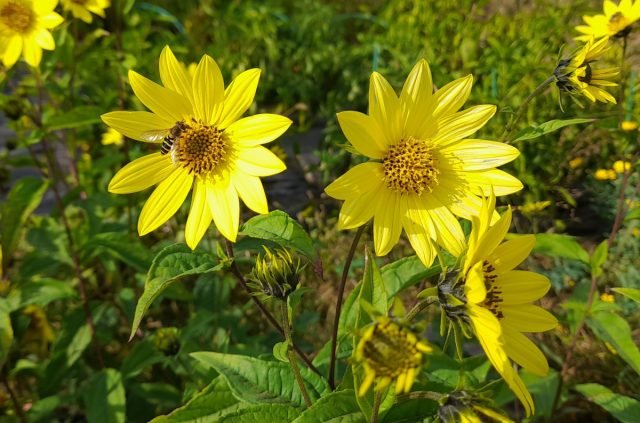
280,228
6,332
172,264
545,128
612,328
622,407
22,200
557,245
80,116
209,405
142,355
411,411
280,351
263,413
258,381
44,291
122,247
633,293
372,292
632,215
337,407
599,257
104,398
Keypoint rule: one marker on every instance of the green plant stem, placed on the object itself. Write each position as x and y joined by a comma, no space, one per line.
377,400
419,308
336,320
433,396
516,117
14,400
272,320
293,360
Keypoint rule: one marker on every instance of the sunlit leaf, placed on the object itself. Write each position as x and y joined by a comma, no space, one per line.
611,328
80,116
280,228
545,128
104,397
337,407
563,246
633,293
622,407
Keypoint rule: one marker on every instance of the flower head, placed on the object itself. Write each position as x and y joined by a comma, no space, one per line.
628,125
202,143
423,171
82,9
389,352
463,407
276,274
576,75
616,21
605,175
24,29
111,136
621,166
497,299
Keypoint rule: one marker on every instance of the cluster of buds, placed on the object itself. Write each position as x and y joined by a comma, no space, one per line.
275,275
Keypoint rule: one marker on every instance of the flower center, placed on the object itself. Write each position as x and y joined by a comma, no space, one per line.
618,24
494,294
17,17
201,148
392,350
409,167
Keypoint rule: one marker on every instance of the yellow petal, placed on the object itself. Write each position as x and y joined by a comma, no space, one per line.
420,241
135,124
485,182
528,318
225,207
43,7
511,253
238,96
166,103
257,129
462,124
31,52
199,215
522,287
13,49
44,39
609,8
387,221
364,133
492,238
258,161
524,352
416,99
447,229
174,75
165,200
478,154
450,98
365,177
357,211
251,192
474,287
208,90
384,106
141,173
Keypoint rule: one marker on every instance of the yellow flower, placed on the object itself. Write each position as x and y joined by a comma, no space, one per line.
621,166
24,29
576,75
203,143
615,22
389,352
498,300
629,125
605,175
423,169
82,9
463,407
607,298
111,136
576,163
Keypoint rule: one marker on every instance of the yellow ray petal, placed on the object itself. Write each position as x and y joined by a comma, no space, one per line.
462,124
492,237
165,200
44,39
364,133
356,211
135,124
225,207
474,287
450,98
416,99
528,318
50,20
387,221
173,74
524,352
511,253
31,52
13,49
364,177
420,241
473,155
522,287
446,227
485,182
258,161
166,103
251,192
208,90
384,107
238,96
43,7
141,173
199,215
257,129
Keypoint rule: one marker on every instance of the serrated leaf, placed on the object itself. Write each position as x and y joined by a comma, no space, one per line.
263,413
22,200
563,246
280,228
104,398
124,248
599,257
263,382
80,116
545,128
611,328
622,407
337,407
172,264
633,293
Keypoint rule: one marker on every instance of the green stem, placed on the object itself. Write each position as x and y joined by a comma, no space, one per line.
419,308
293,360
433,396
516,117
377,400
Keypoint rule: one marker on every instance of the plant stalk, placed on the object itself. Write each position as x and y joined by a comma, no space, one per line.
511,125
377,400
293,360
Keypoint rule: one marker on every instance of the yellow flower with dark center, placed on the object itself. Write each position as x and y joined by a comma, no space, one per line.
389,352
423,170
111,136
462,407
82,9
577,76
202,143
616,21
498,299
24,29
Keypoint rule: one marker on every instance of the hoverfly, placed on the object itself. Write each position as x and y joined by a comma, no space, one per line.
168,136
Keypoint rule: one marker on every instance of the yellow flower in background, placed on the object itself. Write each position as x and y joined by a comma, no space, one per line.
24,29
576,163
202,143
607,298
423,170
620,166
111,136
628,125
464,407
615,22
605,175
82,9
576,75
389,352
499,300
